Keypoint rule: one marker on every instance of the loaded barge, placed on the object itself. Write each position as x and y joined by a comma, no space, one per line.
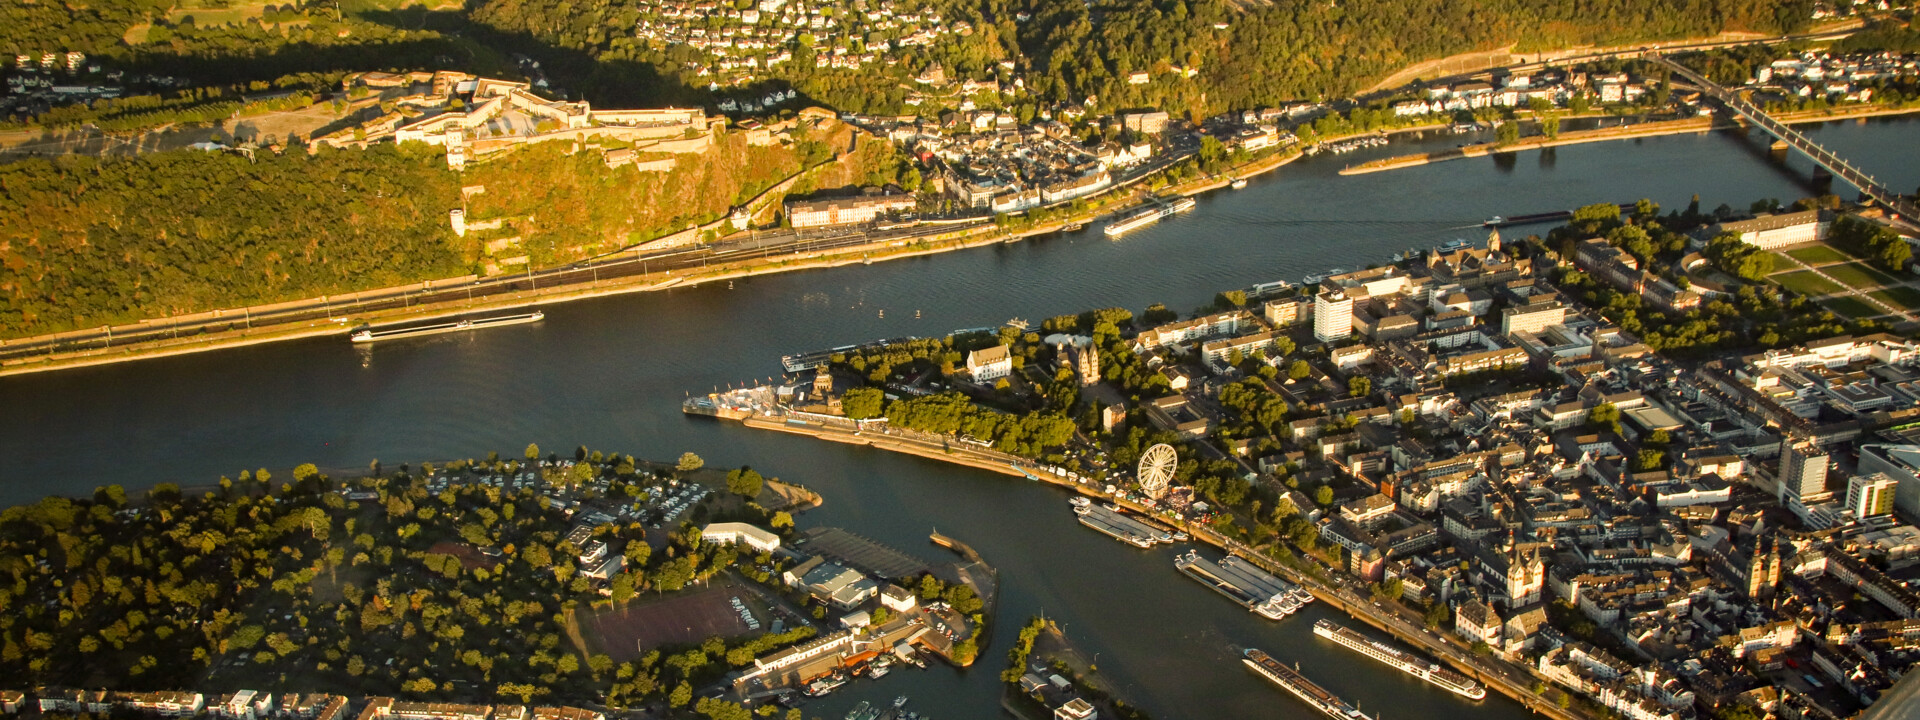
1113,523
1243,582
1301,687
1404,662
1147,216
366,335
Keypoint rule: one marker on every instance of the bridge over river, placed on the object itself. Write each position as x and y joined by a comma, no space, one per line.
1732,100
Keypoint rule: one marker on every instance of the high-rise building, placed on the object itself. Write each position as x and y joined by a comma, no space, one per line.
1871,495
1803,472
1900,462
1332,316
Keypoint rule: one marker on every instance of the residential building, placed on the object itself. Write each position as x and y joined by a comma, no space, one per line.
1871,495
1803,472
1332,316
846,211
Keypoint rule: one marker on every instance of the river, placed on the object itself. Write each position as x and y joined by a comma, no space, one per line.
610,373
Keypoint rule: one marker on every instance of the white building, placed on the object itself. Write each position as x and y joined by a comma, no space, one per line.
734,533
1777,230
1332,316
990,364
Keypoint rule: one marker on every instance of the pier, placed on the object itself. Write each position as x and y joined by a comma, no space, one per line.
1117,525
1262,593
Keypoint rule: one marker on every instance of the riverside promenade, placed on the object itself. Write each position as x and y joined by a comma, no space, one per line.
1348,596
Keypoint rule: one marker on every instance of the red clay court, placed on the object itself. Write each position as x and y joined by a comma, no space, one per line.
627,633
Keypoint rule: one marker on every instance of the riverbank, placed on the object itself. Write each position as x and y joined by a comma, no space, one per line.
1346,600
1620,132
196,339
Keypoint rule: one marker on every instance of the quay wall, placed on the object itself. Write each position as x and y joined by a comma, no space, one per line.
1004,464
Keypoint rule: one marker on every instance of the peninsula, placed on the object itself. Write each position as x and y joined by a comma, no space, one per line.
464,589
1436,445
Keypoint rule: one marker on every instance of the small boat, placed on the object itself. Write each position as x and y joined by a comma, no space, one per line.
858,710
1181,537
1495,220
1238,183
879,671
1080,501
1454,245
900,702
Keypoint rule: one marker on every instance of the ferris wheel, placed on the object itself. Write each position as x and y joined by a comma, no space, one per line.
1156,469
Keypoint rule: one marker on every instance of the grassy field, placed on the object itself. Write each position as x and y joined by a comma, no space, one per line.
1818,254
1806,283
1852,307
1899,296
1858,275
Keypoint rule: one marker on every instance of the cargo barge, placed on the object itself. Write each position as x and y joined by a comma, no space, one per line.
1239,580
1147,216
1111,522
366,335
1301,687
1404,662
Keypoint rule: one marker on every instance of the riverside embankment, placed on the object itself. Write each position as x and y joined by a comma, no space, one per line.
1619,132
1506,678
434,300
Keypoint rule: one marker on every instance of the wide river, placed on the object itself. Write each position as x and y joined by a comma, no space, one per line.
610,374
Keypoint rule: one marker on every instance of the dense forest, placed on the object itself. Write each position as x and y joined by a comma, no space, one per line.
85,242
1072,51
1068,51
88,242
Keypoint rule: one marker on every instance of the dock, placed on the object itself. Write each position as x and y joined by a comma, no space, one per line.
1253,588
1117,525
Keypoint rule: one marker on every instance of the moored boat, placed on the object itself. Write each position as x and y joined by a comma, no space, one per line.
366,335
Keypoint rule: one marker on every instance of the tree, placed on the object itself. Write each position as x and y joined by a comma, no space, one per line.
690,462
1323,495
533,452
1299,370
1359,386
1507,134
862,403
745,482
1604,416
1649,459
682,694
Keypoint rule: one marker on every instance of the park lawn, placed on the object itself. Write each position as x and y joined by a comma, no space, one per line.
1900,296
1852,307
1806,283
1818,255
1858,275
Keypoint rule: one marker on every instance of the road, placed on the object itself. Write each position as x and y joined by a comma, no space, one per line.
509,287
